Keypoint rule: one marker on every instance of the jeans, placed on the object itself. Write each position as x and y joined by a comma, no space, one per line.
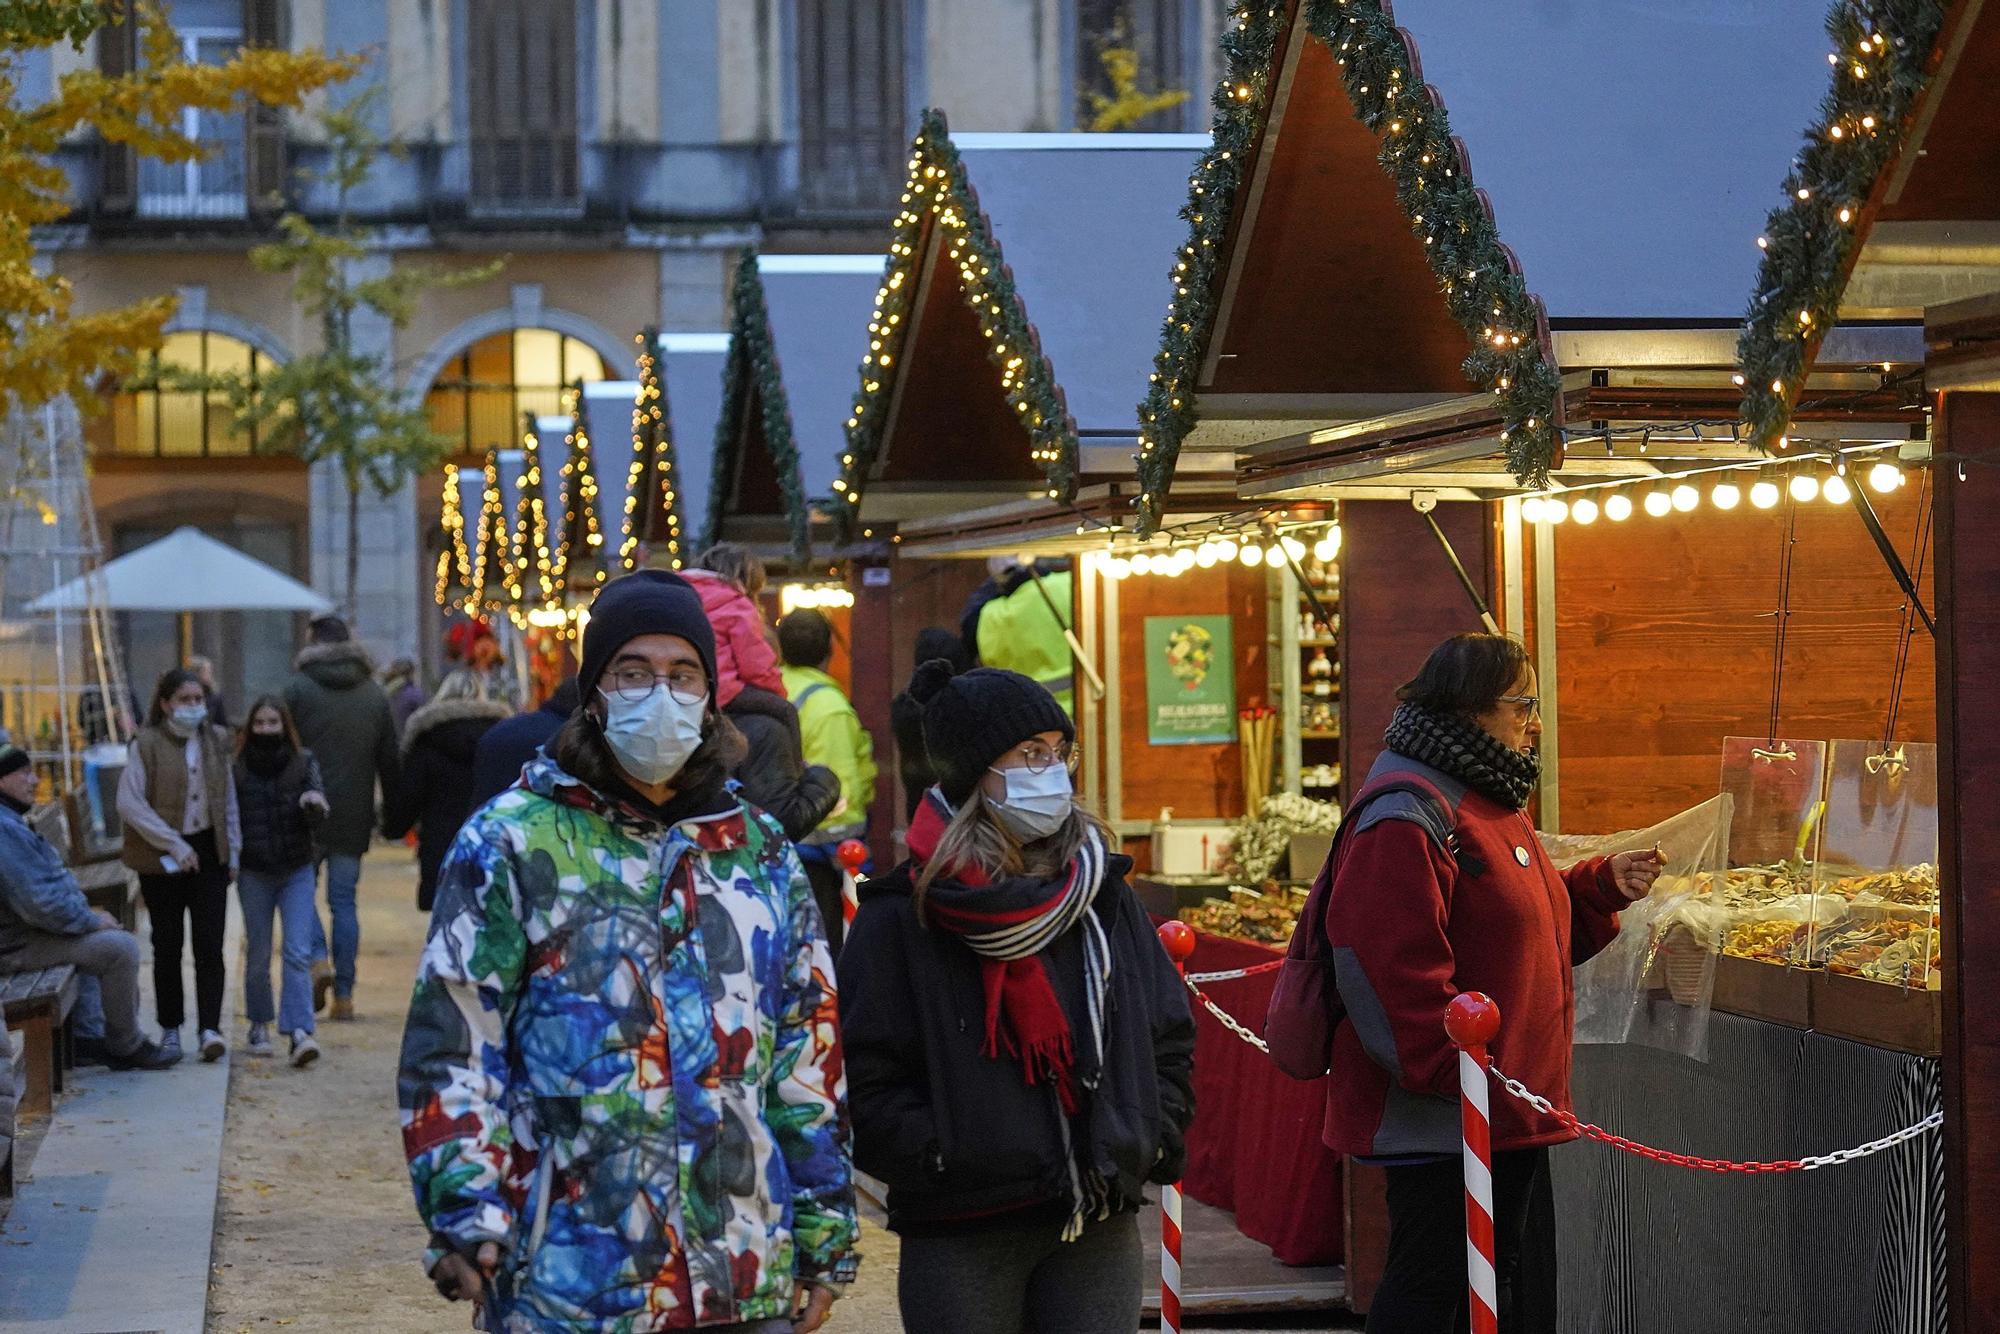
343,874
200,896
1423,1281
1005,1279
288,896
109,958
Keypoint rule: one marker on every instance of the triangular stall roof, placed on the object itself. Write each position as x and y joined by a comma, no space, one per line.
691,366
1013,331
798,327
1434,243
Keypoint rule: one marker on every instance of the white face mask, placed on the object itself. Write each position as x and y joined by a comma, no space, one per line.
187,717
652,737
1036,804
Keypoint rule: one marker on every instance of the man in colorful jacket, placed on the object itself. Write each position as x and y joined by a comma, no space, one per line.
621,1088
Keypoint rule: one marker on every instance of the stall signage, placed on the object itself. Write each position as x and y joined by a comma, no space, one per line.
1190,680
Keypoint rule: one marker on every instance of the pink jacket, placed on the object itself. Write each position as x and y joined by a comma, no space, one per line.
743,653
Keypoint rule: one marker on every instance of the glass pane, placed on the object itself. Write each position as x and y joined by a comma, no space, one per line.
224,436
228,356
145,422
447,414
580,361
537,357
182,351
118,429
1876,910
493,422
490,360
180,424
542,400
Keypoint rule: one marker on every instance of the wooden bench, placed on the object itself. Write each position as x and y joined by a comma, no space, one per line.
37,1004
14,1051
108,886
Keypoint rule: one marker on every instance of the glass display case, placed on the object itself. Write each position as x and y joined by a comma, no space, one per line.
1762,907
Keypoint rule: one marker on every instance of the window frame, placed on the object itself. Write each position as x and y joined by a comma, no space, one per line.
192,201
147,381
455,378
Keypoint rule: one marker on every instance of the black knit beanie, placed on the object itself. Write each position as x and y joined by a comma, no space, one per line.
973,719
12,758
645,602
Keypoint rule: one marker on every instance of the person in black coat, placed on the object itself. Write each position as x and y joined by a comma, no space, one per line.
512,742
906,715
279,799
1020,1051
774,772
433,794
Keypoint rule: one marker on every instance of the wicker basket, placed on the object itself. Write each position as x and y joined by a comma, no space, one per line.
1685,961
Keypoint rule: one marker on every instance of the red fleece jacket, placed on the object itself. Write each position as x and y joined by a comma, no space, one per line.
743,652
1412,924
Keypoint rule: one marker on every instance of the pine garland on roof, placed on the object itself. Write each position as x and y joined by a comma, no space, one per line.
752,367
1881,61
652,519
939,193
1482,288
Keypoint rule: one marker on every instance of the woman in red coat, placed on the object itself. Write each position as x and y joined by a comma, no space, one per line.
1431,898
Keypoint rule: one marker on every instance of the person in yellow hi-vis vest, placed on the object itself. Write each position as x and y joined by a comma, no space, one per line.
1017,621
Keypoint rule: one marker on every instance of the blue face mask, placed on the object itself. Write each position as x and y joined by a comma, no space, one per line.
1036,804
651,738
187,717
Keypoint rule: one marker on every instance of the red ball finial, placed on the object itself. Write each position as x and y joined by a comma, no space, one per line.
1177,939
1472,1019
853,854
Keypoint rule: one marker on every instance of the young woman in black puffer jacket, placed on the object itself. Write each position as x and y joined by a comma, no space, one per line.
279,799
433,793
1019,1048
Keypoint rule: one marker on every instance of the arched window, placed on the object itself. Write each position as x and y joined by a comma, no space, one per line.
150,422
478,398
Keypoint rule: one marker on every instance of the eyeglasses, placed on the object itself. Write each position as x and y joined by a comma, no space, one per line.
687,685
1530,704
1037,758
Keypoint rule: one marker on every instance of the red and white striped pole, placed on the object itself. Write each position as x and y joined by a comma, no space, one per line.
1472,1020
1177,939
852,854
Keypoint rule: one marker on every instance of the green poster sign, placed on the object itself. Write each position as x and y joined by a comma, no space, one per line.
1190,680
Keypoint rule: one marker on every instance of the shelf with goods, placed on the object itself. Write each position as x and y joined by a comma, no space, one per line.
1306,670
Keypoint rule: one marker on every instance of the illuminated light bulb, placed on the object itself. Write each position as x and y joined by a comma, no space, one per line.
1584,511
1555,511
1764,495
1204,555
1685,497
1836,490
1251,554
1531,509
1142,564
1658,503
1804,486
1225,549
1725,496
1885,477
1275,557
1294,548
1118,567
1618,508
1172,568
1325,549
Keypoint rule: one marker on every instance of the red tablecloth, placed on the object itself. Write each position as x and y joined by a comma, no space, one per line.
1254,1148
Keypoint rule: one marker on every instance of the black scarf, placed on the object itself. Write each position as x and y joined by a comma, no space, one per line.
266,756
1466,751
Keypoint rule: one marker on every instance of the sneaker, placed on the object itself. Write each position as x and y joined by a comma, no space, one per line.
260,1040
343,1008
304,1050
147,1056
213,1048
322,974
170,1043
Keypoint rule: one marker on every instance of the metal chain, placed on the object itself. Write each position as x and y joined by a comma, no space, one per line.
1807,1164
1231,974
1227,1020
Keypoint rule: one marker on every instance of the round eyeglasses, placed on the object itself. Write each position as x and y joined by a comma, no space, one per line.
1037,758
687,685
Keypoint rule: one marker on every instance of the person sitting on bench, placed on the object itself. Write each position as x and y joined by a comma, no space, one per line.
45,921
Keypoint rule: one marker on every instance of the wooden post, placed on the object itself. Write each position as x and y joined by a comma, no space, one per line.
1967,539
874,682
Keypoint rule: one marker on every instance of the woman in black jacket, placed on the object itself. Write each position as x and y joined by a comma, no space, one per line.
1019,1048
774,772
279,799
433,795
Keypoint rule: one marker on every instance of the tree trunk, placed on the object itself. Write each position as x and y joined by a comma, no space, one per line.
351,603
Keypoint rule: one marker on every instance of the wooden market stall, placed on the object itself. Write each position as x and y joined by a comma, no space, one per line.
1429,390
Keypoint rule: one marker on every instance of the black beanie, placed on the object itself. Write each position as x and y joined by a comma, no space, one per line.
12,758
645,602
972,719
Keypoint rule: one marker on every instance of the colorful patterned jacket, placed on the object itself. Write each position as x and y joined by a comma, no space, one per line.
622,1063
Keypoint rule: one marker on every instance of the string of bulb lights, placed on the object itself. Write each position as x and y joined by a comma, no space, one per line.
1681,495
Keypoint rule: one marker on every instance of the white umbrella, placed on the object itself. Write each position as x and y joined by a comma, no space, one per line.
185,571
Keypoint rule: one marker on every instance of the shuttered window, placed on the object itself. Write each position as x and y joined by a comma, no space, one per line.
852,134
522,96
1158,31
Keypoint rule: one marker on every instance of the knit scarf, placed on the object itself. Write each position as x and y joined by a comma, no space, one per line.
1466,751
1008,923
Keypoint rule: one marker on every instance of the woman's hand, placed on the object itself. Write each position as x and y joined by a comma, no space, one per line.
313,801
1635,872
183,854
810,1306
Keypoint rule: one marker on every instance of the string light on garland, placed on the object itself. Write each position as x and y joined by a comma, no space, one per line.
531,548
652,507
454,569
1881,62
751,374
938,194
580,549
491,542
1680,495
1483,291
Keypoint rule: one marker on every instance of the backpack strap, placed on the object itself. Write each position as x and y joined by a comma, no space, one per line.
1422,804
808,693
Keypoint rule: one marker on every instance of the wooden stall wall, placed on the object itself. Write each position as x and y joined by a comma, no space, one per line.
1664,637
1398,599
1200,782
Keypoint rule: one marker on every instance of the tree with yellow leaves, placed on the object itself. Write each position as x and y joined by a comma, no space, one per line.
46,349
1126,105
